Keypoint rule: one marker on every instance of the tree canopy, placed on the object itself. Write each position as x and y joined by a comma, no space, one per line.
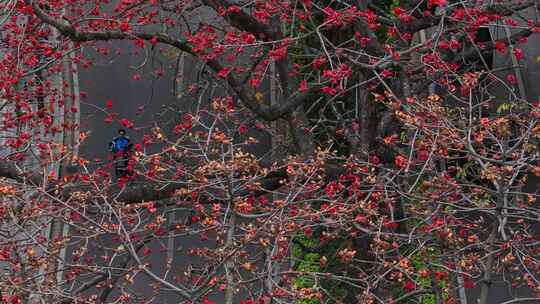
401,168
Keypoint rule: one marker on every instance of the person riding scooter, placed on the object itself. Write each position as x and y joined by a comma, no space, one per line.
121,146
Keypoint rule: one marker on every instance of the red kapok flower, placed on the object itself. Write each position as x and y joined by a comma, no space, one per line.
303,86
518,53
400,161
223,73
500,46
409,286
126,123
484,121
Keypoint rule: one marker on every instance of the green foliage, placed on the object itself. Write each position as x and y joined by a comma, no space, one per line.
503,107
420,261
307,252
308,262
387,4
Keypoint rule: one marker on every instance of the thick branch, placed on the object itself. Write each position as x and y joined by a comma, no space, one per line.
139,191
246,95
473,52
10,169
243,21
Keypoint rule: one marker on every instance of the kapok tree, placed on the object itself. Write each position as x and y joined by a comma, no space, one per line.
401,179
